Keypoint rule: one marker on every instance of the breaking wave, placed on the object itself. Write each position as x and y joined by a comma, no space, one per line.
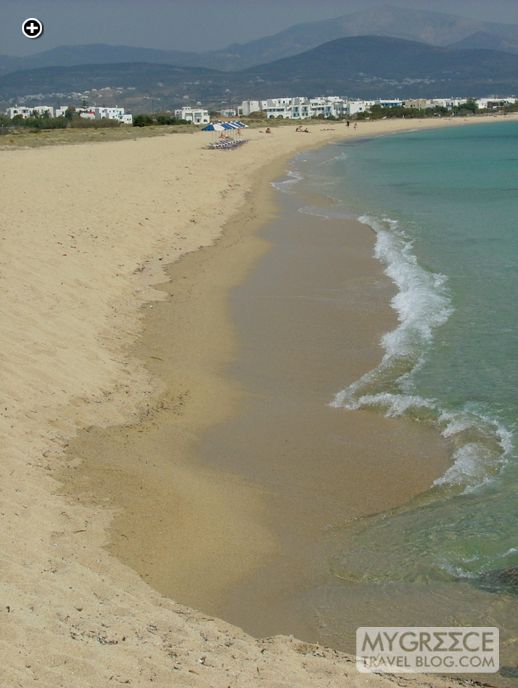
480,444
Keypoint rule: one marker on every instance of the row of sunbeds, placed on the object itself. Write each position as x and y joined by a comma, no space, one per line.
227,144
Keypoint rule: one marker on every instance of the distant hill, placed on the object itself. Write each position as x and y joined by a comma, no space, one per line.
395,22
365,66
98,53
10,64
141,80
423,26
418,25
487,41
375,66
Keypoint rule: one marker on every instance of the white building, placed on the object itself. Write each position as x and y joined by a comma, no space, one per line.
247,107
390,103
25,112
18,111
304,108
228,112
193,115
494,103
108,112
114,113
60,111
357,107
43,110
456,102
438,102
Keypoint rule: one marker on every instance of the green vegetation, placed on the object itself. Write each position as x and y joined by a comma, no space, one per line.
259,119
22,137
70,120
157,118
380,112
467,109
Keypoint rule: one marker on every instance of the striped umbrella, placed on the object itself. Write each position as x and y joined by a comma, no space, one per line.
214,127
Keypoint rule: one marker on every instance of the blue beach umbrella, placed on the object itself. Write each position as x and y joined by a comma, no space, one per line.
213,127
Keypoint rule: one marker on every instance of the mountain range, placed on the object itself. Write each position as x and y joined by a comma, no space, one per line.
367,67
395,22
357,55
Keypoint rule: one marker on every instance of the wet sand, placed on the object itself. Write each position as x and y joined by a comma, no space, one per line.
309,318
231,489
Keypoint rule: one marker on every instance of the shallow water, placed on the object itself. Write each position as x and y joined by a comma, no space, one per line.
444,206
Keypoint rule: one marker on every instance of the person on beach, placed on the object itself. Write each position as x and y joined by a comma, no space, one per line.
348,123
268,130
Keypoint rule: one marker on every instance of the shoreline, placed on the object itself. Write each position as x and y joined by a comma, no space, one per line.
80,276
197,395
310,312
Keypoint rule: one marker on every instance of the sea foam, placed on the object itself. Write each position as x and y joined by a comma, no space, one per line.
480,444
284,185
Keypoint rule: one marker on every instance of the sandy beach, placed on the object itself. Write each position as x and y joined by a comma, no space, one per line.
117,263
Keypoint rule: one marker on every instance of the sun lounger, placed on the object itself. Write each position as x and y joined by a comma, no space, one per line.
226,145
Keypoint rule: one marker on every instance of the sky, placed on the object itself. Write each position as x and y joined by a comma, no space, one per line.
194,24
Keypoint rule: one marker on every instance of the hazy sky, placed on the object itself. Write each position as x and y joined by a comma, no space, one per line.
194,24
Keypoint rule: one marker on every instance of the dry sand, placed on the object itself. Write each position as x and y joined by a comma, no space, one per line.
86,231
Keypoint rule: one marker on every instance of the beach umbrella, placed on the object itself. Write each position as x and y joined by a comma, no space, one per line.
229,126
214,127
239,125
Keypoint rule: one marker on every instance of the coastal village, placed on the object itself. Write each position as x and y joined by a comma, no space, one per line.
293,108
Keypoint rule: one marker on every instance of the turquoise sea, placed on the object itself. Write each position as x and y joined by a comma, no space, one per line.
444,207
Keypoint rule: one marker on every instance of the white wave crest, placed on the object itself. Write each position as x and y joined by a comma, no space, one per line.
284,185
422,302
480,444
326,213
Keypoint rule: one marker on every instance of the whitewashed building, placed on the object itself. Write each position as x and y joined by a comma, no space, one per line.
43,110
456,102
358,107
108,112
494,103
304,108
92,113
392,103
18,111
60,111
228,112
247,107
193,115
25,112
425,103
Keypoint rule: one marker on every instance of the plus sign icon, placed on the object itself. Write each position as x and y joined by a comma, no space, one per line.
32,28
